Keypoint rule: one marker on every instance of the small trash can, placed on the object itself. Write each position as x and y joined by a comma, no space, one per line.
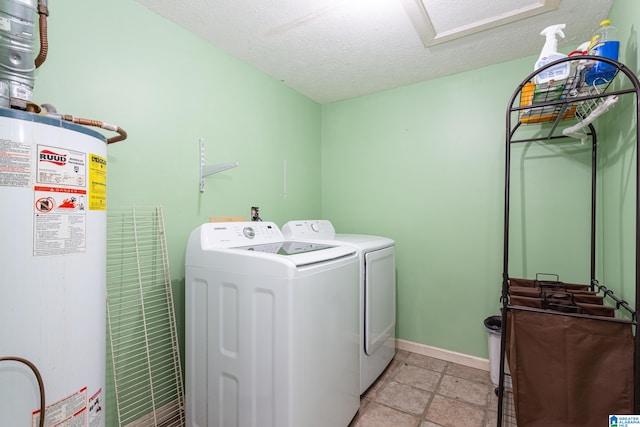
493,325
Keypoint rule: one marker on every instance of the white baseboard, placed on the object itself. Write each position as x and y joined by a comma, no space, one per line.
439,353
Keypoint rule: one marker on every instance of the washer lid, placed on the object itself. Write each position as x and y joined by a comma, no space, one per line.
301,253
259,240
288,248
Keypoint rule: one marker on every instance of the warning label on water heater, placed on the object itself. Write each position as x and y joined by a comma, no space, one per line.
15,166
60,202
96,414
59,221
97,182
68,412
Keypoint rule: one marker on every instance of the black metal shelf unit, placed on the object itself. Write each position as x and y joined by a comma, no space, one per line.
556,110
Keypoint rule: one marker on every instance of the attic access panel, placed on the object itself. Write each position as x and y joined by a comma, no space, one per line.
435,24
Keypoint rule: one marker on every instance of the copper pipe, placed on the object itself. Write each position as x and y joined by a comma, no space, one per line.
43,11
35,371
122,134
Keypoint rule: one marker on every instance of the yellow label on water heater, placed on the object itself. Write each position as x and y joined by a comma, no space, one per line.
97,182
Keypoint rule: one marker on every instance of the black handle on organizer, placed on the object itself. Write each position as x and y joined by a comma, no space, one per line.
540,283
559,301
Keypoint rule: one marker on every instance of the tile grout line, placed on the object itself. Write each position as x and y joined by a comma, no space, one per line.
404,359
433,395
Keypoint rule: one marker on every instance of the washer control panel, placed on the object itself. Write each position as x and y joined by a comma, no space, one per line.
230,234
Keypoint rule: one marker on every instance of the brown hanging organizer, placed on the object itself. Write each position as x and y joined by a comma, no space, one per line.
572,349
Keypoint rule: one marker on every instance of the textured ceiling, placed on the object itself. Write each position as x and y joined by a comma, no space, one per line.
331,50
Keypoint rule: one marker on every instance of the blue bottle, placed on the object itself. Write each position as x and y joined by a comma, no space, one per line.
603,43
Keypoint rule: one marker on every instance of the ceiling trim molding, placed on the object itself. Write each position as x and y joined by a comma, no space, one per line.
419,16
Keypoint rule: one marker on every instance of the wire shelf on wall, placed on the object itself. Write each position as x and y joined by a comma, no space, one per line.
141,320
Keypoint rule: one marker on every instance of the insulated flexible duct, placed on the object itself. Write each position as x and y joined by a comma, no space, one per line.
43,11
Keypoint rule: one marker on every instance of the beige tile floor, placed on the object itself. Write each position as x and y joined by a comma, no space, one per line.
420,391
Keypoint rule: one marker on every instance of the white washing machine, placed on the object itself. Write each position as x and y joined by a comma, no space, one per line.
271,329
377,285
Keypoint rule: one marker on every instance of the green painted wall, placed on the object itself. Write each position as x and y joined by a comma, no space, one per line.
424,165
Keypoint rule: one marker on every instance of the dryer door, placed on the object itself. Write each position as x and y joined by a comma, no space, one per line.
379,298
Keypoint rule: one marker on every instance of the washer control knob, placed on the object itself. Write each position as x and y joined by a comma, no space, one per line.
315,226
249,232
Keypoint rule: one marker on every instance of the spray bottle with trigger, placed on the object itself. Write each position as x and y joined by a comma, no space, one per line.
549,54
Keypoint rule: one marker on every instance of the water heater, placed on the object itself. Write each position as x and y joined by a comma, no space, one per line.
53,178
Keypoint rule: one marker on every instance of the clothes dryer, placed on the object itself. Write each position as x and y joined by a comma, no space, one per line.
377,283
271,329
